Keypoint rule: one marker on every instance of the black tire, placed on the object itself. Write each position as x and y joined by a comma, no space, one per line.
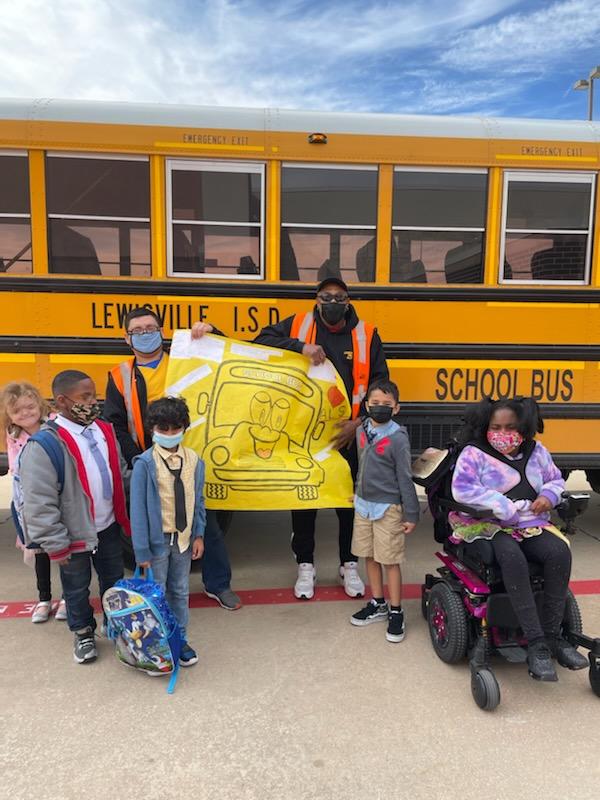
128,554
485,689
424,600
593,476
224,518
572,618
594,676
448,625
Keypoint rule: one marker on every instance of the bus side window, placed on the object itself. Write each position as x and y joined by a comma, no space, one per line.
98,215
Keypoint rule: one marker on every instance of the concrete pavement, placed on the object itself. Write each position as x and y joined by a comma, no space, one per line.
289,701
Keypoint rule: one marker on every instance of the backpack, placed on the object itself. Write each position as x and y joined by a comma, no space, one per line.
433,470
54,451
145,632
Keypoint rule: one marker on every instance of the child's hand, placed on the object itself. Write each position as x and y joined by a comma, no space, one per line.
144,564
197,548
408,527
541,504
64,561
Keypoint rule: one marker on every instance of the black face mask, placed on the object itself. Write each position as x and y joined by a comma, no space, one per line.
380,413
333,313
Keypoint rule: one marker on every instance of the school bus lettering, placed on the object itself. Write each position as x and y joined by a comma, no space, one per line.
470,385
111,316
251,319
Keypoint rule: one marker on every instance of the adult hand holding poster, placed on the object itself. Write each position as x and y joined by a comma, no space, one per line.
262,419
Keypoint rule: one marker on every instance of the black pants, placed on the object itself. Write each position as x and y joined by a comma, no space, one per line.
76,576
555,557
42,575
303,523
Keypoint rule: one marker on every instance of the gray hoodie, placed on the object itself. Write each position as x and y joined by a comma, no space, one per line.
384,473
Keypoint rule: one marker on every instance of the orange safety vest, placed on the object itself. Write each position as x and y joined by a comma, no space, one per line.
124,377
304,328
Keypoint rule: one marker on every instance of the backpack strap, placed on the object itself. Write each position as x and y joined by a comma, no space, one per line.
54,451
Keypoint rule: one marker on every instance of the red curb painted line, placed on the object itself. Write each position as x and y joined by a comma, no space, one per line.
269,597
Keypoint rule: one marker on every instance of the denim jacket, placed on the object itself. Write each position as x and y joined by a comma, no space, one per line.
145,510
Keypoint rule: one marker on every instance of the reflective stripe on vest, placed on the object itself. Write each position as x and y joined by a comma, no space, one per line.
304,328
124,378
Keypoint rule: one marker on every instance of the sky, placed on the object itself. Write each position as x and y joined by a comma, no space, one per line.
515,58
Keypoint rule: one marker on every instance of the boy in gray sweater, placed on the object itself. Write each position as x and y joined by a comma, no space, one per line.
386,506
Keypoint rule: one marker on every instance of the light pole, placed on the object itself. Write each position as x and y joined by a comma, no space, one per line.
588,83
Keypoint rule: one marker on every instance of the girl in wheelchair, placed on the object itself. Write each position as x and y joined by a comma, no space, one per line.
503,468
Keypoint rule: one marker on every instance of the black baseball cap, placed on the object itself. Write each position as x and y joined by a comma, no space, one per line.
336,281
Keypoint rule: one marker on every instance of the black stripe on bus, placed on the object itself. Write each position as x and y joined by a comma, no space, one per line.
400,350
296,291
454,411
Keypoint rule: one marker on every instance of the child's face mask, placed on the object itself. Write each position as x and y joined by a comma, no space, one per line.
504,441
84,413
167,440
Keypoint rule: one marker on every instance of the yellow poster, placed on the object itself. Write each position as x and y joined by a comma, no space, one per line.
262,419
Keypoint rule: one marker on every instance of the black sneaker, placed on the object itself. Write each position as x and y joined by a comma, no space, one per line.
540,663
188,656
567,655
395,630
372,612
85,647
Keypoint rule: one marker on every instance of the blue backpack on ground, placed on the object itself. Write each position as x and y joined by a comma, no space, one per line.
146,634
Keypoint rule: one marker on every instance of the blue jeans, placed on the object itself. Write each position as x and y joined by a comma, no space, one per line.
172,571
76,576
216,570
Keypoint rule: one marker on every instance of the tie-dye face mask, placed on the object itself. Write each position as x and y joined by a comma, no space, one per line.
504,441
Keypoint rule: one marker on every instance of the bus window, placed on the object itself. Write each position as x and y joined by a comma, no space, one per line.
15,223
328,223
215,219
547,220
98,215
438,226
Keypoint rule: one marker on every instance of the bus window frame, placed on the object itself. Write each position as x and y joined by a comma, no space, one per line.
205,165
444,229
547,176
98,156
368,167
5,215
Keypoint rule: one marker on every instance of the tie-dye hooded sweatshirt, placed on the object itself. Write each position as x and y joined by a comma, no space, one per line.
480,480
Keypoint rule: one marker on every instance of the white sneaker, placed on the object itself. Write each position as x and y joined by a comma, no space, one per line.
41,611
61,611
305,584
353,585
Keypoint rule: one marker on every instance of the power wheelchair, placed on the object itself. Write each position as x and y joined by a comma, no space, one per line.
468,611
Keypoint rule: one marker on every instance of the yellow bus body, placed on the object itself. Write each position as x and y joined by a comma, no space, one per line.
446,345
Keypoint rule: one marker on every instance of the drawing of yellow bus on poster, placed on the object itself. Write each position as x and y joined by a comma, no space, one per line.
262,421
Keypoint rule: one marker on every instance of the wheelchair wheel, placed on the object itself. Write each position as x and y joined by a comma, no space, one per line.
485,689
447,620
572,618
594,675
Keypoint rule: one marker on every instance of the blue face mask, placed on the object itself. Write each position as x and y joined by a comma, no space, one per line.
165,440
146,342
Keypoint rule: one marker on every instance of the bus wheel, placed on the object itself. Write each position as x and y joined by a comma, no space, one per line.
593,476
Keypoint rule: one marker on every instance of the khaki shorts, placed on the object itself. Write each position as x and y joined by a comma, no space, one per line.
380,539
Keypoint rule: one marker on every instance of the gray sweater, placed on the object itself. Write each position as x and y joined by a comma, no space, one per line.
384,473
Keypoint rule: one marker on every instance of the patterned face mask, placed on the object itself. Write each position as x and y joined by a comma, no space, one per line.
85,414
504,441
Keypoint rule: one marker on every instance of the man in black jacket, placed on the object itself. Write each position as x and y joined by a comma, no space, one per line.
332,330
132,385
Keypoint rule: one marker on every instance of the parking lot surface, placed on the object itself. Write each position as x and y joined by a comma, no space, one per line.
288,699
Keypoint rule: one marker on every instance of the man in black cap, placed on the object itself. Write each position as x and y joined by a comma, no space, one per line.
332,330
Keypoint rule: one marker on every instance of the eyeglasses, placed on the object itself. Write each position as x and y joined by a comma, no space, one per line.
142,331
332,298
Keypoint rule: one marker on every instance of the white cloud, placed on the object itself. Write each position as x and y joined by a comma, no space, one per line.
528,42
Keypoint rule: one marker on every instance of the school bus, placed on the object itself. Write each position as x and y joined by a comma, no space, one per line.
471,243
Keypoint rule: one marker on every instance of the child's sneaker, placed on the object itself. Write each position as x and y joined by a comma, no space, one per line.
85,646
41,611
372,612
61,612
395,630
304,588
188,656
353,585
